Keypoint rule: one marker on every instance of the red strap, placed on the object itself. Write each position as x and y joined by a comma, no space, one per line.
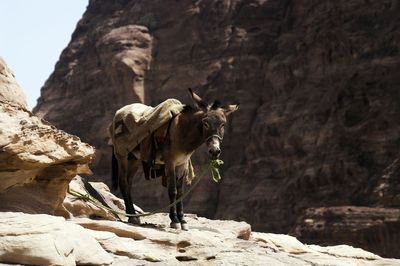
160,139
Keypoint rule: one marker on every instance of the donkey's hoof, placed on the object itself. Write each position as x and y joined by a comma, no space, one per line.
185,226
134,220
175,225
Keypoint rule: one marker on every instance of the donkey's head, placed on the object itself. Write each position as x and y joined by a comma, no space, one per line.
214,119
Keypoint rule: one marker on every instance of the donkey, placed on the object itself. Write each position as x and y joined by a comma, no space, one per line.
187,131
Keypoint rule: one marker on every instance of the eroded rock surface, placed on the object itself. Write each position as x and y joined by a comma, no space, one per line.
47,240
37,161
76,203
10,90
53,240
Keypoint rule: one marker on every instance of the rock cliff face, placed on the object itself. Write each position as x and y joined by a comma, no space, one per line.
37,161
373,227
317,82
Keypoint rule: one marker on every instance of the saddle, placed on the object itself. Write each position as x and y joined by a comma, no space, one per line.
150,153
151,156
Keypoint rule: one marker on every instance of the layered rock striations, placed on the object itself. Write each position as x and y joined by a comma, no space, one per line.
317,83
37,161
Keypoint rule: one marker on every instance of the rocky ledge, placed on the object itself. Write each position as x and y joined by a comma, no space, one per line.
36,239
49,240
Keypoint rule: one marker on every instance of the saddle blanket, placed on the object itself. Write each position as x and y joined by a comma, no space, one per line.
137,121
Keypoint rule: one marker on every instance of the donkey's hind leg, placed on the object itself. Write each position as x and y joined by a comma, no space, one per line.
133,166
124,186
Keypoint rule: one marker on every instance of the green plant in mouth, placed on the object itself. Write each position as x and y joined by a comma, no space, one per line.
214,165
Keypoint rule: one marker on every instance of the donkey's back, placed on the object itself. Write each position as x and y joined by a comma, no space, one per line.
135,122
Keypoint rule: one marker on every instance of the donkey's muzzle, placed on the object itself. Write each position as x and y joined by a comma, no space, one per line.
213,146
214,153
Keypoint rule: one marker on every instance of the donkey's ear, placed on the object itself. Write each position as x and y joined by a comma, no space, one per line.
230,108
198,102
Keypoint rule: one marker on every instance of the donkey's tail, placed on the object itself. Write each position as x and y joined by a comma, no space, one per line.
114,171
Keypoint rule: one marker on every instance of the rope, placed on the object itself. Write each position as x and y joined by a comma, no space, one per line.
89,198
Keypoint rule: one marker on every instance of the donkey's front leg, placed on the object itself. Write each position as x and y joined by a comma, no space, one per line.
172,192
179,205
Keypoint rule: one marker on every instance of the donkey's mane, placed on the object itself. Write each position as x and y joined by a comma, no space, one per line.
217,104
190,109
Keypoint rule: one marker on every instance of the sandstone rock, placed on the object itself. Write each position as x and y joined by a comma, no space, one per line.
317,83
365,227
37,161
216,243
77,205
47,240
52,240
9,90
143,250
80,207
332,255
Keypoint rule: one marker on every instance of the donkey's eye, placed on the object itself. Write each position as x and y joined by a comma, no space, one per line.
206,125
222,125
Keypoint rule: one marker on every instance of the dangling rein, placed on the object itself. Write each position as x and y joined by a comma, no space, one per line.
212,166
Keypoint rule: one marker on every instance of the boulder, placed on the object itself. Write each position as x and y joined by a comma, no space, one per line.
37,160
47,240
77,205
10,90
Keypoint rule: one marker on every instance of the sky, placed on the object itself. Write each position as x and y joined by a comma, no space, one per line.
32,37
